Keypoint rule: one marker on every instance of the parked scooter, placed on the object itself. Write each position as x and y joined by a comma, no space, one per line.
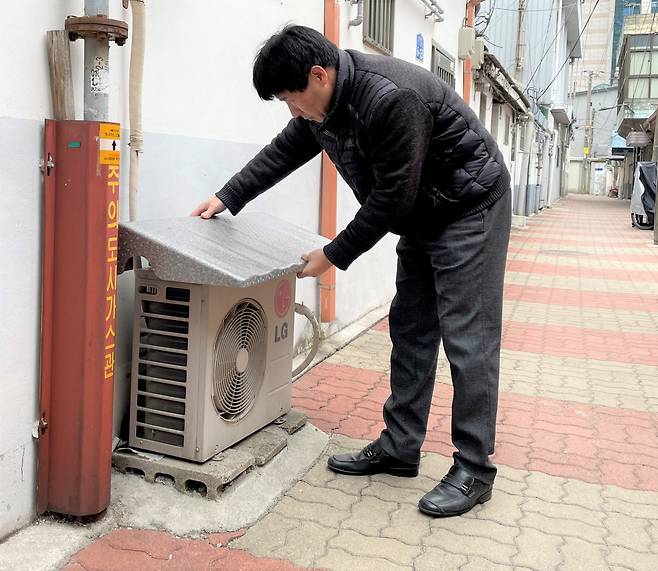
643,199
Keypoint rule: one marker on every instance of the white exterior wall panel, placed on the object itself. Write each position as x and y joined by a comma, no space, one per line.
202,122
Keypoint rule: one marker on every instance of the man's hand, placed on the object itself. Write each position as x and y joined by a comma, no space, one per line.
316,263
208,208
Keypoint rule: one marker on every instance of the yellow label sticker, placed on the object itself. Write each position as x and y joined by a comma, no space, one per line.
108,157
109,131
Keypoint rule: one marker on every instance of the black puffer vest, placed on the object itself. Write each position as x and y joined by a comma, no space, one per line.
415,155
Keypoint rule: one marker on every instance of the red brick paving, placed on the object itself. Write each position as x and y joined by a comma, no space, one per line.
596,444
556,229
577,298
555,238
224,538
579,342
145,550
650,258
585,272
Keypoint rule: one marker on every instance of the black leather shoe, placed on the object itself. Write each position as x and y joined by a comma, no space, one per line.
457,493
371,460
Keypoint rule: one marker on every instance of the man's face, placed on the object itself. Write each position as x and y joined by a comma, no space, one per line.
313,103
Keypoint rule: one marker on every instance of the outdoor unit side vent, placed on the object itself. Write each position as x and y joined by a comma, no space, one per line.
162,366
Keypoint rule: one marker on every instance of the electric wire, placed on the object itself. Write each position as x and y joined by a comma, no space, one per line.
488,17
570,52
543,57
529,87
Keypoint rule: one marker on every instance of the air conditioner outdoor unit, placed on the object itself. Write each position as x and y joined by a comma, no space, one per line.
465,42
478,53
211,363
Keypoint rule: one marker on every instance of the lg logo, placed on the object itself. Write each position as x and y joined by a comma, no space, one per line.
281,334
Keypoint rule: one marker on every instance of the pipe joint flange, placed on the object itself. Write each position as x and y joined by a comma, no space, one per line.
100,27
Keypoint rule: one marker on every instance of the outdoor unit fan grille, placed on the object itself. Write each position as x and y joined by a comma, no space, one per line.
239,360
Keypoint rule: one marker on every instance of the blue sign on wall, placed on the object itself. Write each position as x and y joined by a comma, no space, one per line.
420,47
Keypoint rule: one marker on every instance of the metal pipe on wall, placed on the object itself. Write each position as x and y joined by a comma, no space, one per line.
468,66
135,99
434,8
97,68
328,205
359,14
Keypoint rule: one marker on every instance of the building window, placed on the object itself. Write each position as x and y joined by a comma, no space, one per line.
523,136
632,7
507,129
443,65
495,118
638,89
378,24
642,67
641,63
483,109
654,6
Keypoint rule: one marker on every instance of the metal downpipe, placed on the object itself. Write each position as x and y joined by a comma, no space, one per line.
137,45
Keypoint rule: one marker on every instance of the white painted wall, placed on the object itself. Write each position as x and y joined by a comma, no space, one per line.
446,35
202,122
24,100
506,116
505,111
370,280
410,21
20,227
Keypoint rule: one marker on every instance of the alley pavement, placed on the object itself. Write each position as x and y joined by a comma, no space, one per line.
577,444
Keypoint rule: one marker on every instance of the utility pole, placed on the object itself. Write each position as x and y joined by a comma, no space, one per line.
591,144
520,42
588,136
526,124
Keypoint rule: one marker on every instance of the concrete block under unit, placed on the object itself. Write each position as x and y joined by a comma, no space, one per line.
292,421
264,444
210,478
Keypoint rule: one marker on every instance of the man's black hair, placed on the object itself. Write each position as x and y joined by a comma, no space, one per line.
285,60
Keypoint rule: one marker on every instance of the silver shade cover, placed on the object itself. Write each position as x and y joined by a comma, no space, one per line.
234,252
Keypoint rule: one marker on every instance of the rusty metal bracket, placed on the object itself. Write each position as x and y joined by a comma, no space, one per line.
47,166
39,427
100,27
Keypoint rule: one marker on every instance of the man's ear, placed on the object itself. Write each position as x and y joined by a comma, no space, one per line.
318,73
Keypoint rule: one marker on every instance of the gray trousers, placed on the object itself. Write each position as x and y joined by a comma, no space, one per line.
450,288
